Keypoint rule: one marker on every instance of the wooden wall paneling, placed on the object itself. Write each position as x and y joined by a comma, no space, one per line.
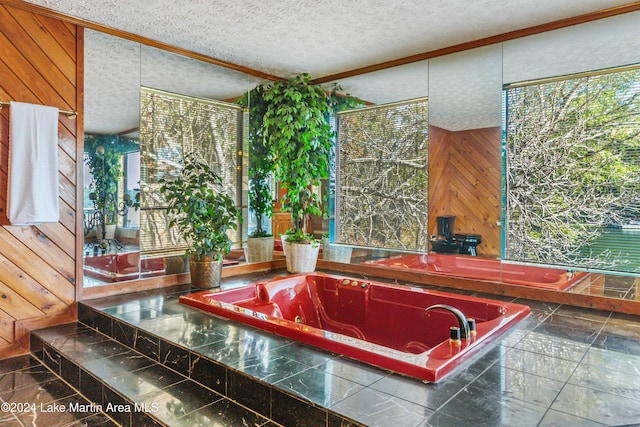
67,216
464,180
26,83
38,64
474,160
6,328
17,306
39,57
31,263
30,289
67,167
45,240
55,47
439,187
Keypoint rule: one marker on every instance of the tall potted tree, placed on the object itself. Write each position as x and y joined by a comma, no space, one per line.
296,131
259,243
203,213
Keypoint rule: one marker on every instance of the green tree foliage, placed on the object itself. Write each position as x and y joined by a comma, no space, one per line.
260,160
296,129
383,176
572,165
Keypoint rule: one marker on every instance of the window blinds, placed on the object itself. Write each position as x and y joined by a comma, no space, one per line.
381,182
171,126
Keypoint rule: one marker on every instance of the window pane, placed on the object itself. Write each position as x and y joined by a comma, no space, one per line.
382,176
573,172
170,127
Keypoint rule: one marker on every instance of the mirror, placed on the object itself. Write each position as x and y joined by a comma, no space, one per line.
111,159
115,71
176,86
465,120
599,44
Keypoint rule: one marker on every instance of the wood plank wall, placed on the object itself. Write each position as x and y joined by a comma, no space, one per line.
465,181
39,60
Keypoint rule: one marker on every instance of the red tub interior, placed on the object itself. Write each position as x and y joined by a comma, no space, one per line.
121,266
485,269
381,324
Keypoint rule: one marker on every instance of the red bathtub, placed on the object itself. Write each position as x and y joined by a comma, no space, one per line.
122,266
381,324
485,269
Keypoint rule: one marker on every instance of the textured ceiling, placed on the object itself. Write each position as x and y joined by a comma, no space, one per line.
321,37
286,37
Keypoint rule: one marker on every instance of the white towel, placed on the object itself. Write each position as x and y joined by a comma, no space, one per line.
33,164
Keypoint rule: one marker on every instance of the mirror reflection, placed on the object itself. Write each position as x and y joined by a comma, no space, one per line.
111,160
464,210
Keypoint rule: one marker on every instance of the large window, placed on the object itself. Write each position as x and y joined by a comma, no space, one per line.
382,176
572,156
170,127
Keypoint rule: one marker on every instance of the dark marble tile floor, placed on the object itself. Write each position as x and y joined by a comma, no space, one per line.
561,366
31,395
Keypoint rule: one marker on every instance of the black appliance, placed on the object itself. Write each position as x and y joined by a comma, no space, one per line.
447,242
468,243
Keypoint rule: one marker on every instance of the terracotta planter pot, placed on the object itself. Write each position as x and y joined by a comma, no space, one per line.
259,249
301,257
206,273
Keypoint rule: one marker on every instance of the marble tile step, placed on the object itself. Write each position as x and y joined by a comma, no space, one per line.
129,387
230,359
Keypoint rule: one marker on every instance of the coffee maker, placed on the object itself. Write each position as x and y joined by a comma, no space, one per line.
445,242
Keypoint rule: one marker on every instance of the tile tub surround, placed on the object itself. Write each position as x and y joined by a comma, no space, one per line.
561,365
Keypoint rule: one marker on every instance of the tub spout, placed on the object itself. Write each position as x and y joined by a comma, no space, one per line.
462,320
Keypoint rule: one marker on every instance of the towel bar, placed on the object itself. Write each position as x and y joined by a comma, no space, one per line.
69,113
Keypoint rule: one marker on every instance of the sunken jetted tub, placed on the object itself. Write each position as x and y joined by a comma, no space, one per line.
378,323
485,269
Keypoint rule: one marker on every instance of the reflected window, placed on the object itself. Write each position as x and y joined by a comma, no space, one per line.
381,182
172,126
572,156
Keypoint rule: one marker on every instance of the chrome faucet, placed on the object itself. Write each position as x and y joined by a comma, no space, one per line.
462,320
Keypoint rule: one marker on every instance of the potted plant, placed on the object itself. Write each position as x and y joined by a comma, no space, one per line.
259,243
103,161
296,131
202,213
335,253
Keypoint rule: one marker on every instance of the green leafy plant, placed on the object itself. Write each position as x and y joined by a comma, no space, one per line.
103,155
200,209
260,160
296,131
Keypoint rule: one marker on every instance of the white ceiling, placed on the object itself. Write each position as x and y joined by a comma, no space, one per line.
321,37
284,38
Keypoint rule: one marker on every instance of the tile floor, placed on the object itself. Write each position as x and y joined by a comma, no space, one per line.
562,365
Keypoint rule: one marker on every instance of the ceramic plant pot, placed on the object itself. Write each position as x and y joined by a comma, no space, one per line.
205,273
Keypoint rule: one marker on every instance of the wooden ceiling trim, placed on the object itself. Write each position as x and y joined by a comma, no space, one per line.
554,25
512,35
